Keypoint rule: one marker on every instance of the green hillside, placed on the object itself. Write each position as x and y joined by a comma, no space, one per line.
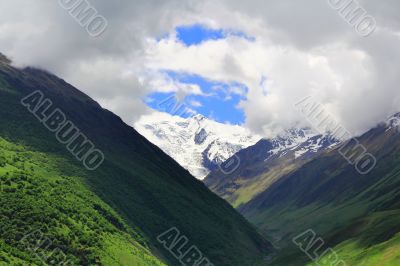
374,242
357,215
113,215
37,195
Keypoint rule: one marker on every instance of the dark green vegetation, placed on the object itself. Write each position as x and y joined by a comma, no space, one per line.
38,196
110,216
357,215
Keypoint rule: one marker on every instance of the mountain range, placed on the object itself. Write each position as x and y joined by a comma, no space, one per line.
275,156
285,195
300,181
142,206
56,211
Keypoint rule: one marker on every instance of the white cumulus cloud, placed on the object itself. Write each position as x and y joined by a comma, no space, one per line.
298,50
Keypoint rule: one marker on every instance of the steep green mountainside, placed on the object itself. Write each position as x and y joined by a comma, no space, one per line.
36,194
113,215
357,215
283,196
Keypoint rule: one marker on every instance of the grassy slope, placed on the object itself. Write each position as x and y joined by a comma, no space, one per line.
37,195
373,243
358,215
286,197
145,188
251,188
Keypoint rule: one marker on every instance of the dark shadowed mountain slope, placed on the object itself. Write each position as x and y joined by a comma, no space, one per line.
262,164
113,215
357,215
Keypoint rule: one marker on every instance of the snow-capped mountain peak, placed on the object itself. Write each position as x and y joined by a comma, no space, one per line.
197,143
200,144
300,141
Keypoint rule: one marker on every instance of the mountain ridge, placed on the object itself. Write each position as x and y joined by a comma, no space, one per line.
356,214
197,143
141,186
278,155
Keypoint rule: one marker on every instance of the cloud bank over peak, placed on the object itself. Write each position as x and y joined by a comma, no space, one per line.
295,51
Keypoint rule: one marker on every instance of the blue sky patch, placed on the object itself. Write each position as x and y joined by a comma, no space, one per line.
197,33
218,101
